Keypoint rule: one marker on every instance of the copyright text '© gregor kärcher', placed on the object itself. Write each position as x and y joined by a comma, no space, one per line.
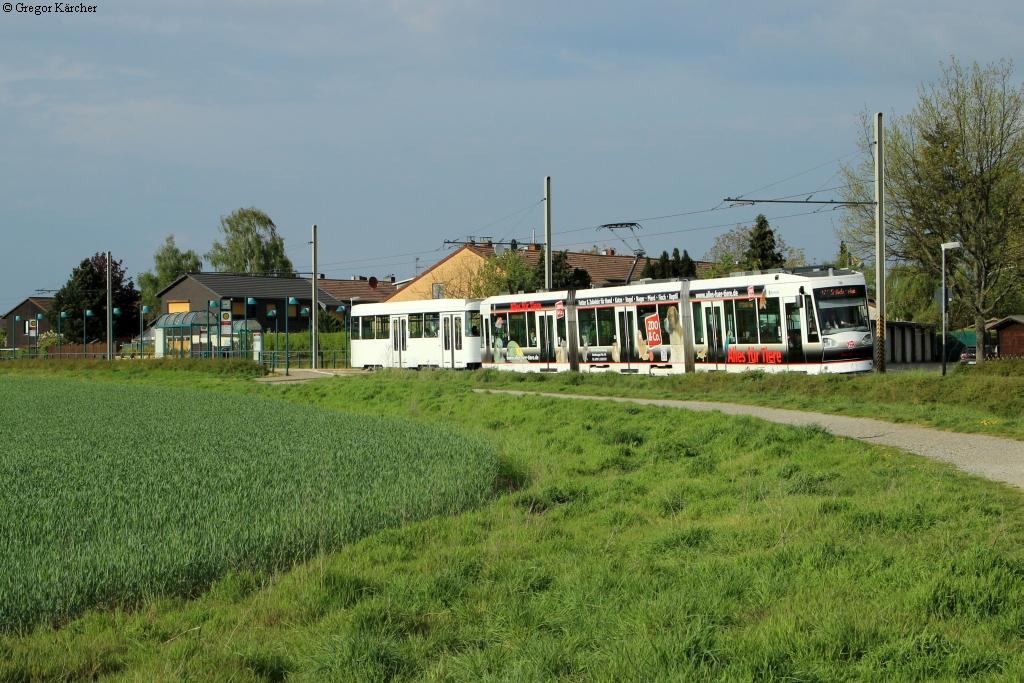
56,8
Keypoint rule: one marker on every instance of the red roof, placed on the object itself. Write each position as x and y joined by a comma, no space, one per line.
343,290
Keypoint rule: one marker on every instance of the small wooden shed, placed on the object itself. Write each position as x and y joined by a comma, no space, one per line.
1010,336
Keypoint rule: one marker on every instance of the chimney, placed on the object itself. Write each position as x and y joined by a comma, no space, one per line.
533,247
485,242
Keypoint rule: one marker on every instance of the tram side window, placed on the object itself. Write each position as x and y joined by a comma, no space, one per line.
562,337
812,324
746,322
771,322
730,322
383,327
517,329
354,322
368,326
532,318
606,326
642,313
416,326
587,320
472,323
698,323
671,328
431,323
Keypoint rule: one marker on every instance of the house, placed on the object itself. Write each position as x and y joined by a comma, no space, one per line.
1009,336
452,276
23,332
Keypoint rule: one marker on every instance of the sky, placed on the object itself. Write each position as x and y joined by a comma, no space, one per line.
395,126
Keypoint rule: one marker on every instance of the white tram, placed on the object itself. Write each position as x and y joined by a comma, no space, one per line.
805,320
809,321
435,333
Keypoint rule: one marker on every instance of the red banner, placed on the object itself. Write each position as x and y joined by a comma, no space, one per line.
653,331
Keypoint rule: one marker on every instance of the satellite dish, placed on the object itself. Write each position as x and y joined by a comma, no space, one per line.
373,283
500,249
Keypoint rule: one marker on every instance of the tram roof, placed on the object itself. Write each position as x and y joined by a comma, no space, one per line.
417,306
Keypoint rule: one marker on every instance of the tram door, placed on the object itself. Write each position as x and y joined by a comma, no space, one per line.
713,330
399,341
457,341
627,339
547,338
447,347
794,337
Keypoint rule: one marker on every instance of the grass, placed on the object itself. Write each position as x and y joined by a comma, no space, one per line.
623,542
115,494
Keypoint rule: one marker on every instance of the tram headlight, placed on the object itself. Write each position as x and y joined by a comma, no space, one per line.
829,343
866,341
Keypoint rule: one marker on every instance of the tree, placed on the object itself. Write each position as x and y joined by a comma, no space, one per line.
170,263
86,289
954,171
507,272
665,267
729,252
251,245
762,251
563,275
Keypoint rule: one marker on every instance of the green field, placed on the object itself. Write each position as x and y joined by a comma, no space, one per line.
622,542
115,494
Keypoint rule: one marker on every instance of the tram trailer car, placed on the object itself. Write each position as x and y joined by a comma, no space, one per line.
803,320
434,333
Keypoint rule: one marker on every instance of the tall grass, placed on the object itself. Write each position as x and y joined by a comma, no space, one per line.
112,494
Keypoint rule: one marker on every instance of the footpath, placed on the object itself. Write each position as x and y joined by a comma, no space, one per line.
987,456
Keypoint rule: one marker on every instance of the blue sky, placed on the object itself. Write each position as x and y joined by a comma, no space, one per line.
397,125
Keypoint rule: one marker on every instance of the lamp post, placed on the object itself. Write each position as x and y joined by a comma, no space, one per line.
39,326
339,309
305,311
85,325
248,302
60,339
116,311
291,301
945,299
211,304
273,356
17,319
351,304
142,345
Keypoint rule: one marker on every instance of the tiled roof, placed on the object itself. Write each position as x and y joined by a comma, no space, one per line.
255,286
343,290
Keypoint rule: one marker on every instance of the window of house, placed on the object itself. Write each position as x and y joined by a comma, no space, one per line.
238,308
293,311
177,307
271,307
438,290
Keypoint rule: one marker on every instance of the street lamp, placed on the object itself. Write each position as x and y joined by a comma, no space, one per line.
945,300
351,304
142,346
339,309
248,302
60,339
85,337
309,329
39,326
273,356
210,304
292,301
116,311
17,319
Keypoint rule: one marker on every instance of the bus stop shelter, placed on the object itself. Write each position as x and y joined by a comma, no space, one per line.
181,335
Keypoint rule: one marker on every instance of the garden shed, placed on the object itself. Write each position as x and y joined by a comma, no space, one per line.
1009,336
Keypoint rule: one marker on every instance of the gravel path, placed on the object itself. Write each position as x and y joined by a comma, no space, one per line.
987,456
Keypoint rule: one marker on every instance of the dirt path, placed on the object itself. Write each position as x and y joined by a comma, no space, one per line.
988,456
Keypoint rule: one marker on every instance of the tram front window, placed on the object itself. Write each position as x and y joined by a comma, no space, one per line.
842,309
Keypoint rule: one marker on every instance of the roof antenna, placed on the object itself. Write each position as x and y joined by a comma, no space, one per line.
638,251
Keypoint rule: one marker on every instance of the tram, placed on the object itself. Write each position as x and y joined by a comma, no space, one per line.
434,333
808,320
